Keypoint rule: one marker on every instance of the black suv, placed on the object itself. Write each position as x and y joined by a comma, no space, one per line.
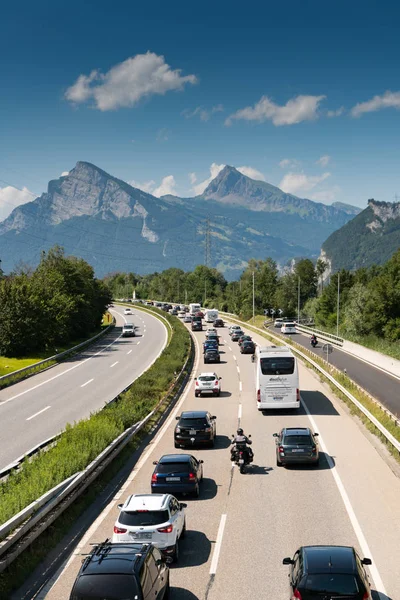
122,571
296,445
212,355
328,572
195,427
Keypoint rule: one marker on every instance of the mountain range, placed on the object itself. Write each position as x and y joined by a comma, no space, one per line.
117,227
372,237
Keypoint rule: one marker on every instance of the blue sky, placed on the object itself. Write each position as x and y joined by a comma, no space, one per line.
304,94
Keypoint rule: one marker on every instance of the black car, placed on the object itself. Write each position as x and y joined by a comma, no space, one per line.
244,338
197,325
210,344
122,571
296,445
195,427
328,573
177,474
212,355
218,323
247,347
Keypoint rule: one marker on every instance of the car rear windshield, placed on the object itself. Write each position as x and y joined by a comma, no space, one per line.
298,440
143,518
279,365
178,467
106,586
247,343
288,325
193,422
128,326
337,583
207,378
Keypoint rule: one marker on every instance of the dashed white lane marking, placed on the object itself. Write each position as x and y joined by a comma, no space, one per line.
138,343
240,385
240,412
129,351
90,381
113,365
238,370
350,511
38,413
230,348
234,357
217,548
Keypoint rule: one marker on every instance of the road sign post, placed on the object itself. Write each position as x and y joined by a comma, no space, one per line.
327,349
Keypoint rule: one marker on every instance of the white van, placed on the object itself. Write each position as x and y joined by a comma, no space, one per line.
194,308
210,315
277,378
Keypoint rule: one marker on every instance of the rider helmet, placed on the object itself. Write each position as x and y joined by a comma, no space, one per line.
240,431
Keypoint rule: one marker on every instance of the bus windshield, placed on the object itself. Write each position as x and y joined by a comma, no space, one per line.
277,365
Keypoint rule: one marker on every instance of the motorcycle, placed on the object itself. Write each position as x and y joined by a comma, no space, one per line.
241,456
314,342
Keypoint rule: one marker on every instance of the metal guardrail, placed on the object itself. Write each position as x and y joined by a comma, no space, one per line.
18,461
56,358
55,501
329,337
395,443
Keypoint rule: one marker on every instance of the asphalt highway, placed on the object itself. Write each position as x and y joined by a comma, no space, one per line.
242,526
39,407
378,383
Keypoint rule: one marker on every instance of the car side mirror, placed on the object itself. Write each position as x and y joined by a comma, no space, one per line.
213,417
201,461
182,505
249,436
120,506
219,377
287,561
274,435
317,434
177,418
366,561
155,462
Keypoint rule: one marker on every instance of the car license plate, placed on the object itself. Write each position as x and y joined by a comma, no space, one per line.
241,461
172,478
142,536
278,397
207,384
192,432
298,450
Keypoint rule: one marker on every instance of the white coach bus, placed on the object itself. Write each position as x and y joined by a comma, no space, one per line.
277,378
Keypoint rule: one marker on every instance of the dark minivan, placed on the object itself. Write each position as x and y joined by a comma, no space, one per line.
122,571
328,573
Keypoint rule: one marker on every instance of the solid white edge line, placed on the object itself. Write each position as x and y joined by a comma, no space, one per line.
113,365
38,413
217,547
150,447
240,411
87,382
380,588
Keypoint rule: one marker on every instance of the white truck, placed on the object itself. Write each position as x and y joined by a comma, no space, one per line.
194,308
210,315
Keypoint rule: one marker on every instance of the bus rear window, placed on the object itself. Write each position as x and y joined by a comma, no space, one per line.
279,365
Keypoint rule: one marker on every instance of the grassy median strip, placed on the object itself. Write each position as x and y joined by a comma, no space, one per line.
350,386
82,442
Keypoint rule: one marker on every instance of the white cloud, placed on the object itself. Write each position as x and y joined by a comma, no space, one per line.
10,197
127,82
292,163
146,186
388,100
299,183
64,173
214,170
192,178
296,110
162,135
335,113
252,173
203,113
323,161
327,196
167,186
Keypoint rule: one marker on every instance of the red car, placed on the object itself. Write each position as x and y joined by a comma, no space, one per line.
200,314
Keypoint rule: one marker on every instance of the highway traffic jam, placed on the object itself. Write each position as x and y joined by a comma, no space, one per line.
237,493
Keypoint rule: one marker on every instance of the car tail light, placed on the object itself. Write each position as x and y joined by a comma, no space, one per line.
314,449
296,595
192,476
298,395
154,478
177,429
258,396
167,529
197,383
216,383
119,529
281,450
366,596
207,429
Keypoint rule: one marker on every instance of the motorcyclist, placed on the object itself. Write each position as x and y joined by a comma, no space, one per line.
242,440
313,340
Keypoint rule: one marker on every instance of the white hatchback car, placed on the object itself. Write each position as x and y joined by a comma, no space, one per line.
128,311
207,383
288,328
158,519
